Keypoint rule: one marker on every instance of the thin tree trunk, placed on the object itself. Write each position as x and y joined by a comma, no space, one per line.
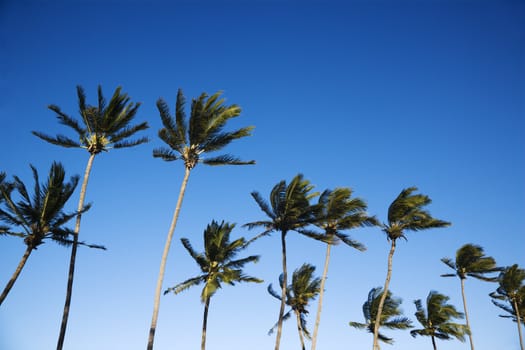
205,323
383,296
321,293
300,329
466,313
518,319
16,274
283,293
69,290
434,342
165,258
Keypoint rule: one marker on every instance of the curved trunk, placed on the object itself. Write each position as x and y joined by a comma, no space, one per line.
205,323
283,293
383,296
518,321
300,329
466,313
16,274
164,258
321,293
69,289
434,342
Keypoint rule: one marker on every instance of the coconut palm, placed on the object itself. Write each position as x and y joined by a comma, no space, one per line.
406,213
38,217
189,141
304,287
338,212
289,210
437,319
217,265
102,127
391,317
472,262
512,290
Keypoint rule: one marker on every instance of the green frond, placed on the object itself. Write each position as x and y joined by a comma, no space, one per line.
165,154
226,160
59,140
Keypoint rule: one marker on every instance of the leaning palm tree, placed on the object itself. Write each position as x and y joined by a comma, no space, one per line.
217,265
189,141
338,212
38,217
406,213
472,262
102,127
437,319
304,287
391,317
289,210
512,290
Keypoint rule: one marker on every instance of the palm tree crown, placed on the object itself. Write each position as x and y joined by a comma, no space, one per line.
391,317
102,127
437,319
472,262
512,290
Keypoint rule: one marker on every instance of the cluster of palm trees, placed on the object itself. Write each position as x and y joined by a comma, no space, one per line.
291,207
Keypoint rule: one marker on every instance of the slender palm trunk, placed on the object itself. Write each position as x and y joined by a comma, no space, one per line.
283,292
205,323
69,290
383,296
321,293
165,258
16,274
434,342
518,321
466,313
300,329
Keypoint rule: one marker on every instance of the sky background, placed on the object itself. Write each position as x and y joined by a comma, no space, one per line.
373,95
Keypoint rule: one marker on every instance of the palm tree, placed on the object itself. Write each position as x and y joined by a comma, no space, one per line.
289,210
189,141
338,212
512,290
436,319
304,288
102,128
406,213
471,261
391,317
217,265
38,217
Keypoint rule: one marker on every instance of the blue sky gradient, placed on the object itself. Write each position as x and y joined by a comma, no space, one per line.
374,95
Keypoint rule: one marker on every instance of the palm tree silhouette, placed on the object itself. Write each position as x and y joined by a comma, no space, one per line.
102,127
189,141
217,265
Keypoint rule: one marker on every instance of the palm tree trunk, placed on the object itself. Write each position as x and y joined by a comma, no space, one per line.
518,321
205,323
383,296
69,289
300,329
283,292
466,313
165,258
434,342
321,293
16,274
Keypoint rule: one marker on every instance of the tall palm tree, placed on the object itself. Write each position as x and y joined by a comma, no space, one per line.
102,127
391,317
304,287
217,265
437,319
512,290
40,216
190,141
472,262
289,210
406,213
338,212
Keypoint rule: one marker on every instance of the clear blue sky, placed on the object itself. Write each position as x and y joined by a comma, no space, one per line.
374,95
